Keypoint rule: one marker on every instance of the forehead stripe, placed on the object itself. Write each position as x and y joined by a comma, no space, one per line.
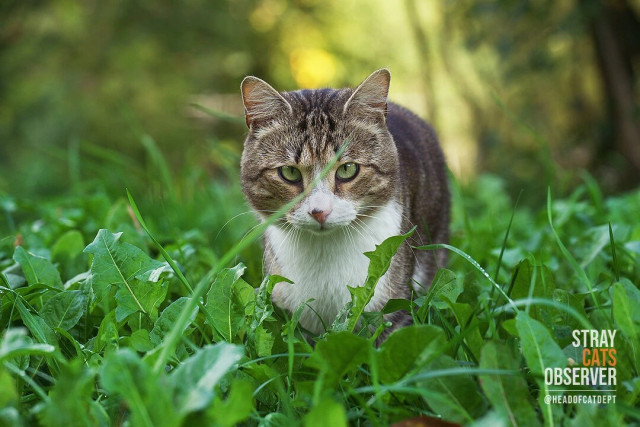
263,131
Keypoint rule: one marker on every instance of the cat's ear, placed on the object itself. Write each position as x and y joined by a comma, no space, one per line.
370,98
261,102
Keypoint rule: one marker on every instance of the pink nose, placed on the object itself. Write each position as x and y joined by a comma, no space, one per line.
320,216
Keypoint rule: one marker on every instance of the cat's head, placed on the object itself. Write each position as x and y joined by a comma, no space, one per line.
293,136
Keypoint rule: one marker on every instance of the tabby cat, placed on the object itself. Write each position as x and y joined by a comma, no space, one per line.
391,176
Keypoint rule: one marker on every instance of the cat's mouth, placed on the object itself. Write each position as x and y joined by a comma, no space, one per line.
322,230
317,229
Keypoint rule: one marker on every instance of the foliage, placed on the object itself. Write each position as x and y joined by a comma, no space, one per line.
86,315
509,86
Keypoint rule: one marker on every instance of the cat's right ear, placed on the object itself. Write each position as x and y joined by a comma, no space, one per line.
261,102
370,98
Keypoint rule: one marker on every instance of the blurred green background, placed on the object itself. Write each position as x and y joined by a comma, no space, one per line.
102,93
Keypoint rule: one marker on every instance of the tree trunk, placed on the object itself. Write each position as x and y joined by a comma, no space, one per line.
615,30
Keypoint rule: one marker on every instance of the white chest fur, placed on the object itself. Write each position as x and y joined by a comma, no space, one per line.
321,266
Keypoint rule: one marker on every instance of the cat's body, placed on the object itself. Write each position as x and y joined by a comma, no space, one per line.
391,177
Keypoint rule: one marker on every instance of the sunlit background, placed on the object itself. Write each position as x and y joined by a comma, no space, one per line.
539,92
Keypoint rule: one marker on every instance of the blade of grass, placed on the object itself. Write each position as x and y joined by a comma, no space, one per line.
27,379
273,356
158,161
171,340
219,114
206,279
164,253
472,261
366,407
400,385
4,281
586,324
565,252
458,338
504,242
73,156
594,190
616,266
108,156
532,282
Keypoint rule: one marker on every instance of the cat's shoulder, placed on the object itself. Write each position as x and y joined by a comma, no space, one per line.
400,117
409,131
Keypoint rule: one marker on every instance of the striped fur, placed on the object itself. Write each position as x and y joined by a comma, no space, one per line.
401,183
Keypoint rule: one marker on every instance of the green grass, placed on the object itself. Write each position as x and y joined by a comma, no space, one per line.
152,310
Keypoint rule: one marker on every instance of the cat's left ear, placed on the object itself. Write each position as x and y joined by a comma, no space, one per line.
370,98
261,102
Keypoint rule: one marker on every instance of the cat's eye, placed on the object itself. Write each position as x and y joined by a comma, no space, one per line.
290,174
347,171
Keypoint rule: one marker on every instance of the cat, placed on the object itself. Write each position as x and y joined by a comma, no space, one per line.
391,176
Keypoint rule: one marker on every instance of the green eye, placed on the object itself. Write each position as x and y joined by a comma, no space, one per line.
347,171
290,174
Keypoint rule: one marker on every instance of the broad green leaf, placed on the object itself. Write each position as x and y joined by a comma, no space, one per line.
446,284
508,394
379,262
14,281
168,318
224,304
560,317
263,341
146,395
464,315
116,263
80,281
245,296
15,343
107,335
289,328
394,305
69,245
143,297
539,349
264,307
339,353
456,398
509,325
541,352
140,341
633,292
235,408
64,309
530,282
36,269
194,380
69,346
154,274
39,329
591,243
626,309
70,399
267,381
68,252
406,348
327,413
